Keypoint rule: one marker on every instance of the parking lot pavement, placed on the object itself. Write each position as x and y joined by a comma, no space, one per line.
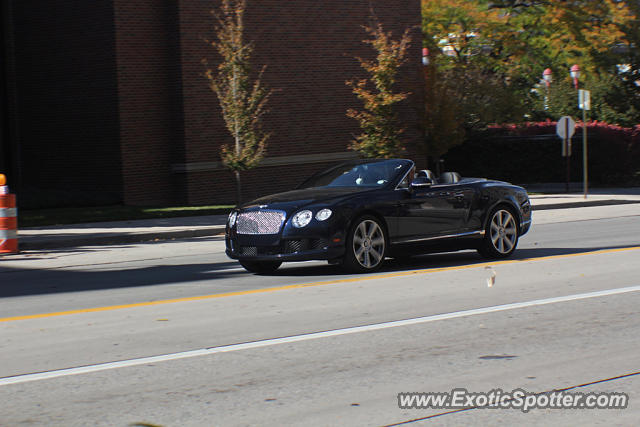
112,233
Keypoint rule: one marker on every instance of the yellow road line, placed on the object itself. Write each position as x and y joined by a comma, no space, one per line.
312,284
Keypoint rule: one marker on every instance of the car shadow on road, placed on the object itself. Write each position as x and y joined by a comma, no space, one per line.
210,277
23,282
443,260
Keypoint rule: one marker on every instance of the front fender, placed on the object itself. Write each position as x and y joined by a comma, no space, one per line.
522,213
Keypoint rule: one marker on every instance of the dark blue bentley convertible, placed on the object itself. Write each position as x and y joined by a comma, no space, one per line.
357,213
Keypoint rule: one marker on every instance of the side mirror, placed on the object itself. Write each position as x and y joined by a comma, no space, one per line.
420,182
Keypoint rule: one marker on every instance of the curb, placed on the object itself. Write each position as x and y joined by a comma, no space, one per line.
584,204
118,239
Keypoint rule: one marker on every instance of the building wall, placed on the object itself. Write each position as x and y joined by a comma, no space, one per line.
63,94
309,48
112,106
6,147
149,100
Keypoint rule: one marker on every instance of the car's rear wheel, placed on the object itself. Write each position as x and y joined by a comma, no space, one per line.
366,245
261,267
501,235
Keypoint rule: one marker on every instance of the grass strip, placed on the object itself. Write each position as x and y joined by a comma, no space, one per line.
60,216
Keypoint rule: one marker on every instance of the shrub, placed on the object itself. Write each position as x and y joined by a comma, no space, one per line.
532,153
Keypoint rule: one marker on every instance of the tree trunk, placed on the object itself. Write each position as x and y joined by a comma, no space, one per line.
237,135
238,187
236,128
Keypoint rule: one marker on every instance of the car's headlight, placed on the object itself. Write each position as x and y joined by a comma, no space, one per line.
232,218
302,218
323,214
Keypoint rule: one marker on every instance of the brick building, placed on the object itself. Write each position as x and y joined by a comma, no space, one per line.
104,101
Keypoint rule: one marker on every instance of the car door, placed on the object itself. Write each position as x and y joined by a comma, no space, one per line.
461,198
435,211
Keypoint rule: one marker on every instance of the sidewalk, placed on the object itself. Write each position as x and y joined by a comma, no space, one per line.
123,232
596,197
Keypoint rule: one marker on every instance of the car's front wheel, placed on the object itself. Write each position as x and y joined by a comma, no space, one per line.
261,267
501,235
366,245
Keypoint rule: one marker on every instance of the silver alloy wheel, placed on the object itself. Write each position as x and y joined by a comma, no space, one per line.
368,244
503,231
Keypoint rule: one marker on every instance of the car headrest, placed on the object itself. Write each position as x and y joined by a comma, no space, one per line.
427,174
449,177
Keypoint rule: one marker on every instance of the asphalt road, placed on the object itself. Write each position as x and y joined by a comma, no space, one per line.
175,334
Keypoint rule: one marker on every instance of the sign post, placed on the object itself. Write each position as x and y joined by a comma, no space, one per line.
584,103
565,128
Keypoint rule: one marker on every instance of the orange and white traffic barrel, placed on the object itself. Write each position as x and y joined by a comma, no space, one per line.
8,219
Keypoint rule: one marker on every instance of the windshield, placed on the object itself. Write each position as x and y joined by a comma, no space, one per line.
364,174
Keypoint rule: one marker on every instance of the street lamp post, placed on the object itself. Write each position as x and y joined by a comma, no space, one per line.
427,90
547,76
575,75
425,56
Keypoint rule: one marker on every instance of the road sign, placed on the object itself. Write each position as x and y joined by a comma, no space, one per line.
566,127
584,102
584,99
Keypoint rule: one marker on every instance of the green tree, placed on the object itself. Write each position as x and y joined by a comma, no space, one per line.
510,43
468,52
378,120
629,48
242,100
620,86
462,101
611,100
442,114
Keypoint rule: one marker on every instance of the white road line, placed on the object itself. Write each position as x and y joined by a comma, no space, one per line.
306,337
224,270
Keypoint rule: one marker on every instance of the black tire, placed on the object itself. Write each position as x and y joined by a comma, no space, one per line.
501,234
261,267
366,245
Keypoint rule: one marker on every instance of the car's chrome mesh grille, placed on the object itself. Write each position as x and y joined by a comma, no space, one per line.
260,222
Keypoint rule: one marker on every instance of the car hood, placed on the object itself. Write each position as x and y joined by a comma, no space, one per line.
296,199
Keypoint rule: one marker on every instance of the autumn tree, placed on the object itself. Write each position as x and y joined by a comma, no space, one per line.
511,42
520,38
629,48
378,120
243,101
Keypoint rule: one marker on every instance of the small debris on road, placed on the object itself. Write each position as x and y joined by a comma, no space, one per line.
491,280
